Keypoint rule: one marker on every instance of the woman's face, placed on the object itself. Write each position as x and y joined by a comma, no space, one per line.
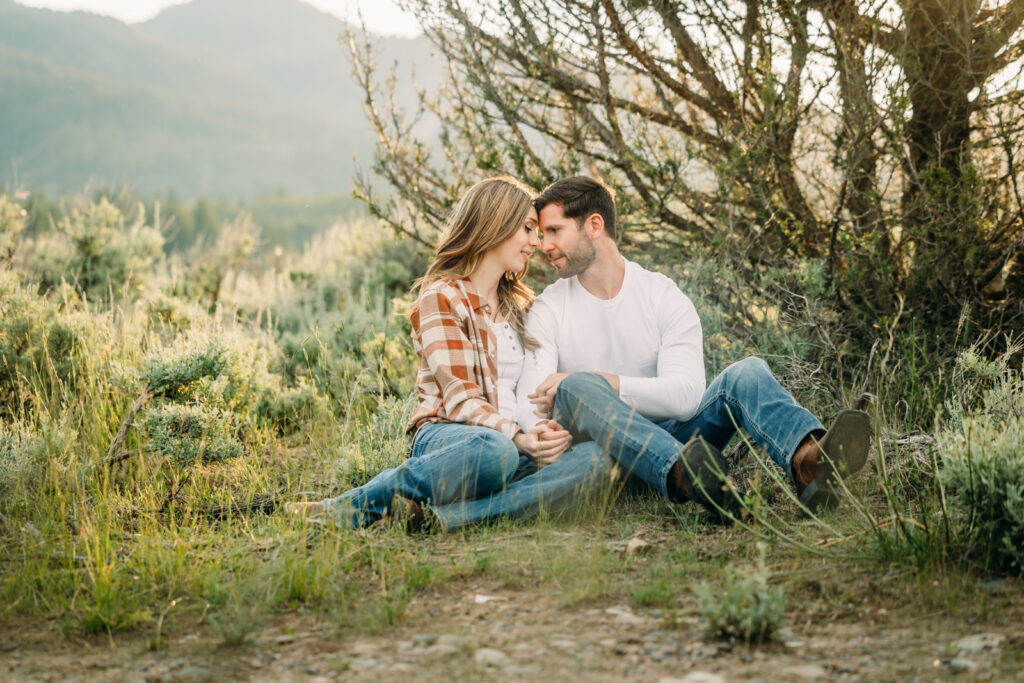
514,252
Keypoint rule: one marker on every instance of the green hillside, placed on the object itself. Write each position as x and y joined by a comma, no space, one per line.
214,97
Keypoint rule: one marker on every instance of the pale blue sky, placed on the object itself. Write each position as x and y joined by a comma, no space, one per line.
382,16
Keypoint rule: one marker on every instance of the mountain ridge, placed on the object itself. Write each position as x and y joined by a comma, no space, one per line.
251,105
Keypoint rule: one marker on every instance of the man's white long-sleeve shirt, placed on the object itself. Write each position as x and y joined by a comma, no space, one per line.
648,334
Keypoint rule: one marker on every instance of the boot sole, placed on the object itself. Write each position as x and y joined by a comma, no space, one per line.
845,447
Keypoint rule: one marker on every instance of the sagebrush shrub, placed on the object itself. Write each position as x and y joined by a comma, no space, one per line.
189,433
27,451
12,225
94,250
175,375
39,344
982,457
745,608
289,409
381,442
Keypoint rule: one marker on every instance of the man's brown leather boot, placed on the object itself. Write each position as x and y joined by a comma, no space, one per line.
822,460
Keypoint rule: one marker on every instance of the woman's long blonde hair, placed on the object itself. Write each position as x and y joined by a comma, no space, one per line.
486,215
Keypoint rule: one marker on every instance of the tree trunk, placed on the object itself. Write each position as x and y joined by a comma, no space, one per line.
939,202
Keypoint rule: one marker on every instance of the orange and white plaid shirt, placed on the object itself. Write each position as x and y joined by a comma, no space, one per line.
457,378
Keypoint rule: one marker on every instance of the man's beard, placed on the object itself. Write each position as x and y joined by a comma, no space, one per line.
578,260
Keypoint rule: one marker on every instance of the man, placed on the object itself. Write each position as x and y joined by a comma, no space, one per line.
621,364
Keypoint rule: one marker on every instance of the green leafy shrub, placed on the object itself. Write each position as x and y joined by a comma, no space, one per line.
39,344
12,225
745,609
289,409
381,442
175,376
26,452
98,253
983,466
171,313
186,434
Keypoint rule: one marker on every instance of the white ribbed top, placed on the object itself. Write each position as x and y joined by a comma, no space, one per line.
510,367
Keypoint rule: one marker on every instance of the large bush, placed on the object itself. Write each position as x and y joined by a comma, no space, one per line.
39,345
97,252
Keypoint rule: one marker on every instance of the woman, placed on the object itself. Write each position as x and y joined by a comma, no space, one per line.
468,332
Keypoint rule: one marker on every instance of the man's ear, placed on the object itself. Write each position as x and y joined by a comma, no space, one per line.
594,225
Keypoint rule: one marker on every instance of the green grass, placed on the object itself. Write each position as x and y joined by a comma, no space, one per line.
152,542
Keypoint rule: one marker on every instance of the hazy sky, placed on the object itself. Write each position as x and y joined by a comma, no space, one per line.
382,16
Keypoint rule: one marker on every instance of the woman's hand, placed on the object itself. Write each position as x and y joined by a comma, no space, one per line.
545,442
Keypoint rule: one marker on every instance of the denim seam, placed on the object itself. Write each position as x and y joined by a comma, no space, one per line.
735,403
661,484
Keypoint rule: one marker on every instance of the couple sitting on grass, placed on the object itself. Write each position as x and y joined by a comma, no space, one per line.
528,405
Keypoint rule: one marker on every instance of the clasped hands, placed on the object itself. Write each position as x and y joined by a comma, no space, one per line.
547,440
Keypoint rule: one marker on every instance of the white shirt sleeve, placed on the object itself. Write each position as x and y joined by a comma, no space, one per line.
677,390
542,325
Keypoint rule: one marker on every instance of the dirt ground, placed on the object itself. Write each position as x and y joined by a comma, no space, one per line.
487,632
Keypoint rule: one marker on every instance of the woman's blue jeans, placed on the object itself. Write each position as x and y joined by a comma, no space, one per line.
449,462
746,395
580,475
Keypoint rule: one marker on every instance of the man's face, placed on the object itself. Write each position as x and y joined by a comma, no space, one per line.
565,244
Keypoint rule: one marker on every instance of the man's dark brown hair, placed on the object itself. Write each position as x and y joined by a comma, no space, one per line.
581,196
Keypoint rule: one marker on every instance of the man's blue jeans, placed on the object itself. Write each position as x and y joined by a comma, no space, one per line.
746,395
581,474
449,462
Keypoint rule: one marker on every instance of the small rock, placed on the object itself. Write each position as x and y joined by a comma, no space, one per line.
962,665
484,599
195,673
176,664
441,650
978,643
993,586
702,677
637,546
624,616
363,648
363,663
486,656
564,644
424,639
810,672
285,639
450,639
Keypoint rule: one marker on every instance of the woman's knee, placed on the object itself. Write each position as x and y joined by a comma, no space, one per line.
498,449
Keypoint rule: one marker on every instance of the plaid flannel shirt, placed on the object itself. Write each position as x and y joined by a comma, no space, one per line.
457,378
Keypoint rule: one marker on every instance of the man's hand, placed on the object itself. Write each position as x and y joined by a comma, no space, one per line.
545,442
543,397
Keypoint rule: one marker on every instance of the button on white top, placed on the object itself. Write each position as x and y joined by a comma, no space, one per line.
510,367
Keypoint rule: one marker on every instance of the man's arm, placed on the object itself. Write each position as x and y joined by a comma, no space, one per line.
542,325
677,390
